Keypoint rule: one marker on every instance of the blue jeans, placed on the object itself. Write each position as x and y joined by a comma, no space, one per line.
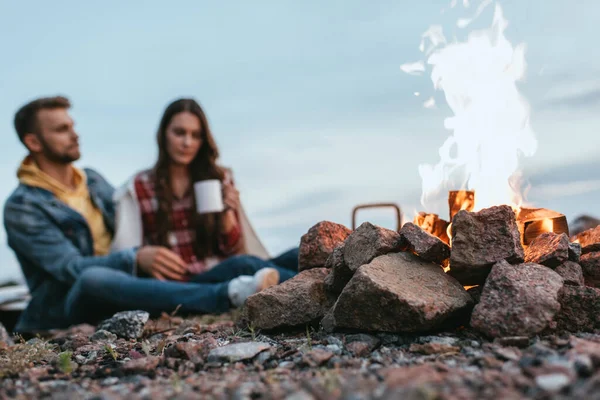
99,292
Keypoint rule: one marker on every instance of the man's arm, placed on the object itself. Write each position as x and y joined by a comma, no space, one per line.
42,243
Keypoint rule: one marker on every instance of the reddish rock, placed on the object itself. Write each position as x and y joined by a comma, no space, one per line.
340,274
298,301
548,249
590,265
433,348
319,242
400,293
414,376
517,300
361,345
195,351
424,244
367,242
579,309
316,357
571,273
589,240
480,240
142,365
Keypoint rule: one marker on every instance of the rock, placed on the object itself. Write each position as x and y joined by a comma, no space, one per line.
480,240
519,300
328,322
142,365
237,352
103,336
433,348
548,249
574,252
126,324
553,382
367,242
74,342
589,240
424,244
298,301
340,274
316,357
571,273
319,242
590,265
5,337
399,293
579,309
361,344
196,351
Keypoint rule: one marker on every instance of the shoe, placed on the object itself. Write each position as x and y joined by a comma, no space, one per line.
244,286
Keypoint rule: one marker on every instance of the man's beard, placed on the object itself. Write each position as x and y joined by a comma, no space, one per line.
54,156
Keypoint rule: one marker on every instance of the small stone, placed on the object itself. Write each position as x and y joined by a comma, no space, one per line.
574,252
507,353
480,240
513,341
424,244
361,344
335,349
142,365
553,382
317,357
433,348
237,352
126,324
571,273
583,365
102,335
519,300
319,242
548,249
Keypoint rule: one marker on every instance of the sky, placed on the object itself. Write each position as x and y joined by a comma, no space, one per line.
306,99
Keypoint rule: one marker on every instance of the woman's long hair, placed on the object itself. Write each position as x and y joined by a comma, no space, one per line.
203,166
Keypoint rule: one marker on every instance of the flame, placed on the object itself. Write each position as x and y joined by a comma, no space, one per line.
547,225
490,126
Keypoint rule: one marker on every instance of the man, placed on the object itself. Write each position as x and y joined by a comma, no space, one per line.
60,223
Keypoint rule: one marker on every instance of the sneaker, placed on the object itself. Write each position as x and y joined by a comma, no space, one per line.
245,286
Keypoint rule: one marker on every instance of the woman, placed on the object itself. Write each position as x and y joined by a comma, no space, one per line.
157,208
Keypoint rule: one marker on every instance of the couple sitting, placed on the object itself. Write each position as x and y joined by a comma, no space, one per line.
87,251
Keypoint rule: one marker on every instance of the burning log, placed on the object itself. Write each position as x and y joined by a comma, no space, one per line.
433,224
460,200
533,222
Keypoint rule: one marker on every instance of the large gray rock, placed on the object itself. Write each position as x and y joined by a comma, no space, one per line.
298,301
480,240
590,264
424,244
126,324
579,309
319,242
517,300
549,249
367,242
399,293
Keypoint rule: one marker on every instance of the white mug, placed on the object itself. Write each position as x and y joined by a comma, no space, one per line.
209,196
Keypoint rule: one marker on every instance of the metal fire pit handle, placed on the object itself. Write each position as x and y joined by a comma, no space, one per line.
377,205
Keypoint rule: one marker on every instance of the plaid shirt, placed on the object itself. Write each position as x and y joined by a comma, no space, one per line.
182,234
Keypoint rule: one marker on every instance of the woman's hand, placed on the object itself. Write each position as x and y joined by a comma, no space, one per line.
161,263
231,197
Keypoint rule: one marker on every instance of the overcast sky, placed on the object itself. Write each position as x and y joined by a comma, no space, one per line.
306,98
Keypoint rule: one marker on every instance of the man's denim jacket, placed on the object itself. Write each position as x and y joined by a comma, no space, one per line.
53,244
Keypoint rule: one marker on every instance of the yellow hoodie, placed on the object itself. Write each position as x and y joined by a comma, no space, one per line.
78,199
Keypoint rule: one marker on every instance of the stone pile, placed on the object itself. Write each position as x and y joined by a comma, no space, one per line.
378,280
